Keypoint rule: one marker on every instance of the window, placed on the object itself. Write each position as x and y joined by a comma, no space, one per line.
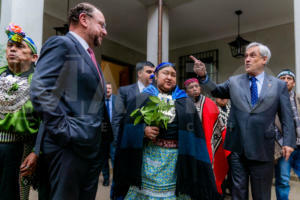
210,58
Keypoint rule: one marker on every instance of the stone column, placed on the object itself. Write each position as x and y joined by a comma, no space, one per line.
152,34
297,42
26,13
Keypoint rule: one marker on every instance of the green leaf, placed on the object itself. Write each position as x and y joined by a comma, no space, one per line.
163,117
134,112
154,99
147,121
137,120
151,103
166,124
151,107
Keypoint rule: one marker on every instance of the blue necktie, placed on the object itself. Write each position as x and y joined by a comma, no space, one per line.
107,107
253,90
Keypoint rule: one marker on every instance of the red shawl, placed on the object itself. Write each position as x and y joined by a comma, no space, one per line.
214,131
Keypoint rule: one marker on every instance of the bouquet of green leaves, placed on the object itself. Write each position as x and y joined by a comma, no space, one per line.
153,113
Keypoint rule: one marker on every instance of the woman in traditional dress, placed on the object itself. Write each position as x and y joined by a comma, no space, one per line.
166,164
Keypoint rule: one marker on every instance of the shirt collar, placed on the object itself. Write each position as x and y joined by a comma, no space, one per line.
259,77
108,99
83,43
141,86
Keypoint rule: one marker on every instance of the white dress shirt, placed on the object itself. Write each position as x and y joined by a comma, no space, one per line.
83,43
259,82
141,86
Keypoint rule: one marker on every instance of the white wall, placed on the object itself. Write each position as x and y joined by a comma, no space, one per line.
280,40
18,12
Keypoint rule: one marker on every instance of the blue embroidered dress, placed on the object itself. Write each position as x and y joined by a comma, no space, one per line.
159,163
178,169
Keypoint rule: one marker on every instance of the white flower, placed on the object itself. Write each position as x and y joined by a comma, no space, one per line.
172,112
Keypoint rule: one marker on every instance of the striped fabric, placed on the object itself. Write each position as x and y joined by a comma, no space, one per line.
8,137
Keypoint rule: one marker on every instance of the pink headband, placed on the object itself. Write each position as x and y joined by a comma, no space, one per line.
189,81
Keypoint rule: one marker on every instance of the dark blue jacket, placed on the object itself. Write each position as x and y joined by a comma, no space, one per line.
125,95
67,93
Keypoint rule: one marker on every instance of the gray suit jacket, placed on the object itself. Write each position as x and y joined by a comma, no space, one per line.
250,130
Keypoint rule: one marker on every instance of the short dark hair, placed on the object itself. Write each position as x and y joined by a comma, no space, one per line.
108,83
140,65
84,7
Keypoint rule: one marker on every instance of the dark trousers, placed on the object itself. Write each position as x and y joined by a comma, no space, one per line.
65,176
260,174
106,152
10,161
105,170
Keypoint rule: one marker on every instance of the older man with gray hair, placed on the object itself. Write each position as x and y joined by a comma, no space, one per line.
255,98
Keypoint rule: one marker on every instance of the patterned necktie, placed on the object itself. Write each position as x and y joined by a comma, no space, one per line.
253,90
91,52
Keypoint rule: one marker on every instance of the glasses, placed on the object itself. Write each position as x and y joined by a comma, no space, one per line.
102,24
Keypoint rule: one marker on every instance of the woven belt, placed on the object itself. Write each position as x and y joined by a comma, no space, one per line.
166,143
8,137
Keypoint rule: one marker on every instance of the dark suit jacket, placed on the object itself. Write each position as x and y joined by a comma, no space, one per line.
125,95
67,93
108,136
113,99
250,130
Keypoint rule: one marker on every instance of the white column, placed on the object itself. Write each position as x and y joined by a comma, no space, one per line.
26,13
297,42
152,34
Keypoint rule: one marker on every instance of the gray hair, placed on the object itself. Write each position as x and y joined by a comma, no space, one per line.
263,50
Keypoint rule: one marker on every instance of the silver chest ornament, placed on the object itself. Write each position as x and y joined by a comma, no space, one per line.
14,92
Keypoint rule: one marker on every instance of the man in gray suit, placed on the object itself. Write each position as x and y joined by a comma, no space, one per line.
255,97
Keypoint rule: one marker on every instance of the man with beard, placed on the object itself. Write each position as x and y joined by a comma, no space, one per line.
68,91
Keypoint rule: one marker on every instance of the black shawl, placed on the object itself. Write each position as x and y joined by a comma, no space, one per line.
195,177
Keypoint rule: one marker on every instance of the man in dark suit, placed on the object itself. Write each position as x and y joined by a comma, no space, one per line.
109,148
144,71
126,94
68,92
255,97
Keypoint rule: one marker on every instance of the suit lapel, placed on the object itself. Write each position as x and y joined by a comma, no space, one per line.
136,89
266,87
245,84
85,55
102,77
